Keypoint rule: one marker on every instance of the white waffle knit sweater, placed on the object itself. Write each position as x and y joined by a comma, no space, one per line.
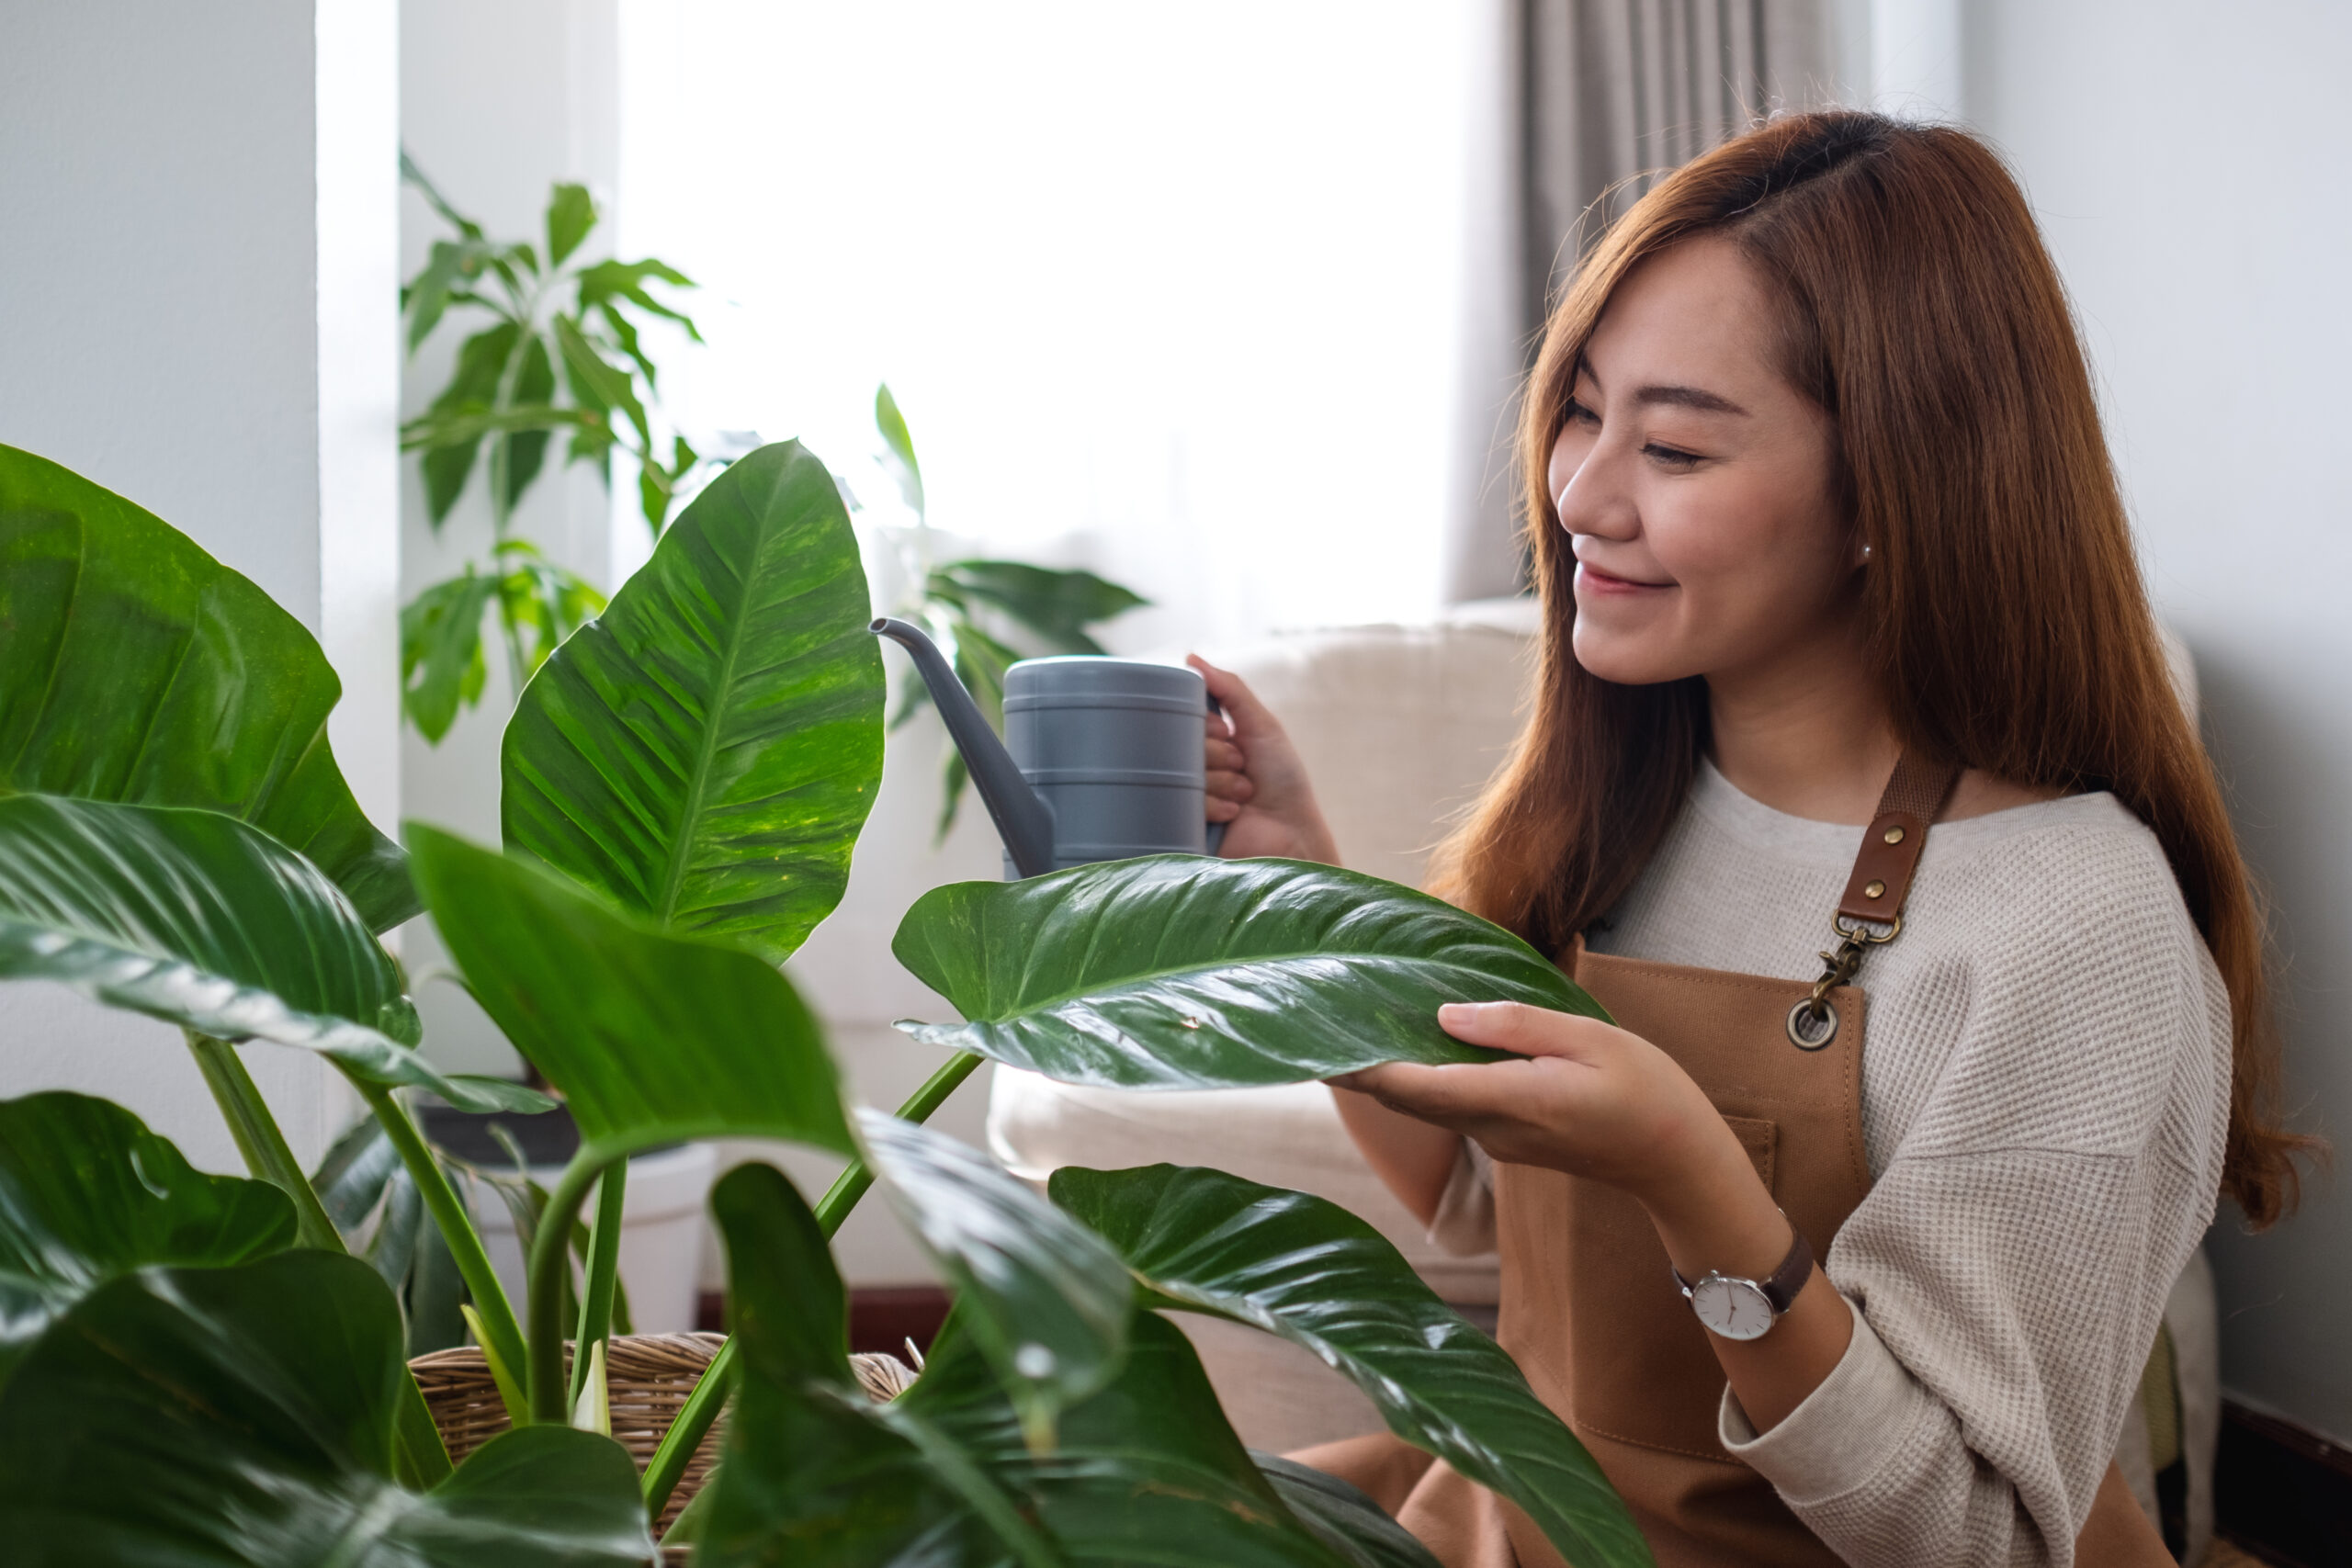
2045,1091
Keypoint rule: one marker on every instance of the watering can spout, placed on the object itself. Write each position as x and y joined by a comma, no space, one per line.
1023,819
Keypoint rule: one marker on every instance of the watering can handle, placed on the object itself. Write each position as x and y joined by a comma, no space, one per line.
1217,830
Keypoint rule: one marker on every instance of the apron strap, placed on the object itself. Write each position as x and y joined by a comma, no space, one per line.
1874,894
1891,845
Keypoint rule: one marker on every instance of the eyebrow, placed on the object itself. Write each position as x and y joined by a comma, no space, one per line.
1686,397
1697,398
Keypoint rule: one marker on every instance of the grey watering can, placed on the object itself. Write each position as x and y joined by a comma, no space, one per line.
1101,759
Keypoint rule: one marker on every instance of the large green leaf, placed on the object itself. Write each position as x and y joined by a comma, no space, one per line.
706,752
87,1193
1044,1296
201,921
810,1478
1315,1274
652,1037
134,667
1350,1522
1146,1472
441,637
1185,971
245,1415
1057,605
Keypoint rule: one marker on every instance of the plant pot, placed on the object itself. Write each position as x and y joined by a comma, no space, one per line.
647,1380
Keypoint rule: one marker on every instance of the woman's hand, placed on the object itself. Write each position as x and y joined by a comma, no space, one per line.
1596,1102
1592,1099
1258,787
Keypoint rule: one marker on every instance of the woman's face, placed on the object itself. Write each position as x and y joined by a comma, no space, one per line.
1696,483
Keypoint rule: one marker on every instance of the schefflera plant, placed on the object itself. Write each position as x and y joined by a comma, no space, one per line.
190,1372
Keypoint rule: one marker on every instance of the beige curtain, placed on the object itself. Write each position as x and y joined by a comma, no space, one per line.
1609,94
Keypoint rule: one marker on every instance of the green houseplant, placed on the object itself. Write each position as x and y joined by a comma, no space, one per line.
954,601
191,1369
562,351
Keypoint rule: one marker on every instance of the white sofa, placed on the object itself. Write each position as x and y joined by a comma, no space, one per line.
1399,727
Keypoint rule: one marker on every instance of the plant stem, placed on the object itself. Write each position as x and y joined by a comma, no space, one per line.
456,1225
603,1262
420,1460
702,1406
678,1444
259,1140
550,1255
418,1448
851,1185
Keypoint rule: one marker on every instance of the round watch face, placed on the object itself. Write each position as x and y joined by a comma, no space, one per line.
1732,1308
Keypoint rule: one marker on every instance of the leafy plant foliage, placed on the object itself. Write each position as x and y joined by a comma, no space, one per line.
1181,972
706,753
244,1414
87,1194
135,668
180,1383
563,353
966,604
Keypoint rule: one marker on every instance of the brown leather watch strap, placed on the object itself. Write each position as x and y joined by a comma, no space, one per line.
1891,845
1781,1290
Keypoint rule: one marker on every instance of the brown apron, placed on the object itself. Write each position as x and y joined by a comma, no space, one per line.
1590,1309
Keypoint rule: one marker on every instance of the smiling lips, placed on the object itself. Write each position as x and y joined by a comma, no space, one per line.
1593,580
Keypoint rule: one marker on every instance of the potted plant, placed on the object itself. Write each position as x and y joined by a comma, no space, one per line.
192,1370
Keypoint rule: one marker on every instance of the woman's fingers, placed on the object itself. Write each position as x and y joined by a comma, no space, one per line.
1235,787
1458,1095
1240,704
1224,756
1516,1027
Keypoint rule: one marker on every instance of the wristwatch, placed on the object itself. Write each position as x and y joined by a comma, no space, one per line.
1746,1309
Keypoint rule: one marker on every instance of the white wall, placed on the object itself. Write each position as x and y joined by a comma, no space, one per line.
192,316
496,104
2186,160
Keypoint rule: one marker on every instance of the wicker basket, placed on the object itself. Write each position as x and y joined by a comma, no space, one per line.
647,1380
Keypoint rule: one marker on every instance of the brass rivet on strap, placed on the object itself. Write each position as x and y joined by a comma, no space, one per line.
1875,888
1893,836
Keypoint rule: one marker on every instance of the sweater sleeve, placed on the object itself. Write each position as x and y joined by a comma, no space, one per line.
1463,1226
2008,1269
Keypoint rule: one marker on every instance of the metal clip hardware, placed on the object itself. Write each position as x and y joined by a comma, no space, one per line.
1812,1022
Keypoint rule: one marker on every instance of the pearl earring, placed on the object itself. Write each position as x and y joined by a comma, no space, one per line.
1866,552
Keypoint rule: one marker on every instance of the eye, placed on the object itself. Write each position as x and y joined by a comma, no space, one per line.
1580,414
1674,459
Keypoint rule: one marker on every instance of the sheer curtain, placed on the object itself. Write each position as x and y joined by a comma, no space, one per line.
1609,94
1169,292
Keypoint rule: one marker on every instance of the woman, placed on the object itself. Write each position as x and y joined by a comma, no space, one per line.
1843,629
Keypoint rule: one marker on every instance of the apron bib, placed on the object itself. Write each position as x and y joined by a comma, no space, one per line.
1589,1308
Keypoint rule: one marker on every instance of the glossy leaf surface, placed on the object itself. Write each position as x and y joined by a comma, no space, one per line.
134,667
705,752
88,1193
809,1477
198,919
1350,1523
1187,971
1147,1472
652,1037
1045,1297
1313,1273
245,1415
1144,1472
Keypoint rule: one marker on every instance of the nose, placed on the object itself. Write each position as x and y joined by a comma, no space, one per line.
1591,489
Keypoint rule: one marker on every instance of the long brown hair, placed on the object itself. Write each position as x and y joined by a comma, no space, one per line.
2003,600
